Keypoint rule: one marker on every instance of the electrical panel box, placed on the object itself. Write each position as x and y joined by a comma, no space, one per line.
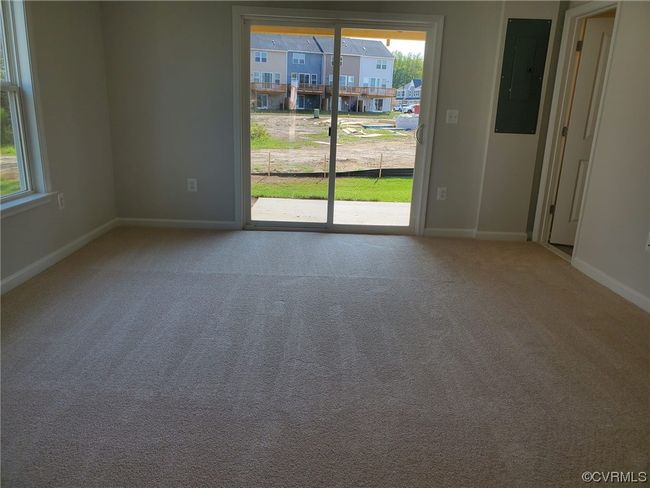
522,74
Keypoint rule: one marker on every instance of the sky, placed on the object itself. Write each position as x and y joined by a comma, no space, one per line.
415,47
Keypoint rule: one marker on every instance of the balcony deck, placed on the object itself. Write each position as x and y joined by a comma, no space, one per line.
367,91
269,87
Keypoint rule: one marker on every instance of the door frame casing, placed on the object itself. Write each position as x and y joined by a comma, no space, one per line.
431,24
560,106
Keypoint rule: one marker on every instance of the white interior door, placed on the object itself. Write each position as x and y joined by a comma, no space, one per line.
580,128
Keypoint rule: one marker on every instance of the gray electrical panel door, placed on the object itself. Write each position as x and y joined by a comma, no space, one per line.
522,74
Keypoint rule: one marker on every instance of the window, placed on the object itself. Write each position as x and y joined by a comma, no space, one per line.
304,78
298,58
301,101
379,104
262,101
314,79
257,77
267,77
381,64
276,78
400,94
260,56
14,173
417,93
294,76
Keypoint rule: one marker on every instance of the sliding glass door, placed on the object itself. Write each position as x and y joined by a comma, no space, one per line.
312,85
376,138
289,126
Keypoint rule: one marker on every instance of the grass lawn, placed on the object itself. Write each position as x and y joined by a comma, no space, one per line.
347,188
8,186
8,150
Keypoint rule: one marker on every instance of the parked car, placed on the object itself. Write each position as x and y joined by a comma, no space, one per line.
412,109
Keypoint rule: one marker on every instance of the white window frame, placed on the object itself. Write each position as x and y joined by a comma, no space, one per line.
374,104
22,86
244,17
300,57
294,76
381,64
261,56
314,79
276,78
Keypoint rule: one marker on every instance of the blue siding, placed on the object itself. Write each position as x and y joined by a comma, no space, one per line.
313,65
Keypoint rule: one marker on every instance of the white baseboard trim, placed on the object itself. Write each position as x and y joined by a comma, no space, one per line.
31,270
450,232
181,224
501,236
613,284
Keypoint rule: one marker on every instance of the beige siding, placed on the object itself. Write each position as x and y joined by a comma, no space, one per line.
276,62
350,67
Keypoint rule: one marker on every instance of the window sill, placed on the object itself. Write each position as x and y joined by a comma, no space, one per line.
13,207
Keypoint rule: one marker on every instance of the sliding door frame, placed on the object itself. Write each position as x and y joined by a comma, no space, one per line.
243,17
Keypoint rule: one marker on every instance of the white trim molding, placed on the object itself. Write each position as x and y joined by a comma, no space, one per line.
244,16
613,284
449,232
179,223
501,236
31,270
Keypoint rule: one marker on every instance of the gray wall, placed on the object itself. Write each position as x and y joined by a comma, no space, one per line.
170,87
169,68
616,215
68,54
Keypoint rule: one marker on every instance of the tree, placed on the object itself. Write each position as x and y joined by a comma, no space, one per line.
406,67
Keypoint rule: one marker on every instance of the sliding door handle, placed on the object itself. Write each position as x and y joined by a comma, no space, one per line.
418,133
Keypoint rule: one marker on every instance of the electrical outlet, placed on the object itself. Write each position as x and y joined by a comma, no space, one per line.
441,193
452,116
192,185
61,201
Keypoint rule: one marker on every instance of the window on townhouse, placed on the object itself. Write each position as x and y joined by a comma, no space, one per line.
276,78
294,76
304,78
379,104
298,58
18,172
260,56
381,64
314,79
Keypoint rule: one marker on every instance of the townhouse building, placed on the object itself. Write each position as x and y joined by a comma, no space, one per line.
304,81
409,93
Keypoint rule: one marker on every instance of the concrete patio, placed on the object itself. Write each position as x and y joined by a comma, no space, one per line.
345,212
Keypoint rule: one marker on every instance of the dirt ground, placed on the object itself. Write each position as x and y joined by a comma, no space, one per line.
357,150
8,167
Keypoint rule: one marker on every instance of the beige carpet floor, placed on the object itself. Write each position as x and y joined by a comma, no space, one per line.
250,359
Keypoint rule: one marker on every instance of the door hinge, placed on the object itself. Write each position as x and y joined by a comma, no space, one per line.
565,131
579,46
551,209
